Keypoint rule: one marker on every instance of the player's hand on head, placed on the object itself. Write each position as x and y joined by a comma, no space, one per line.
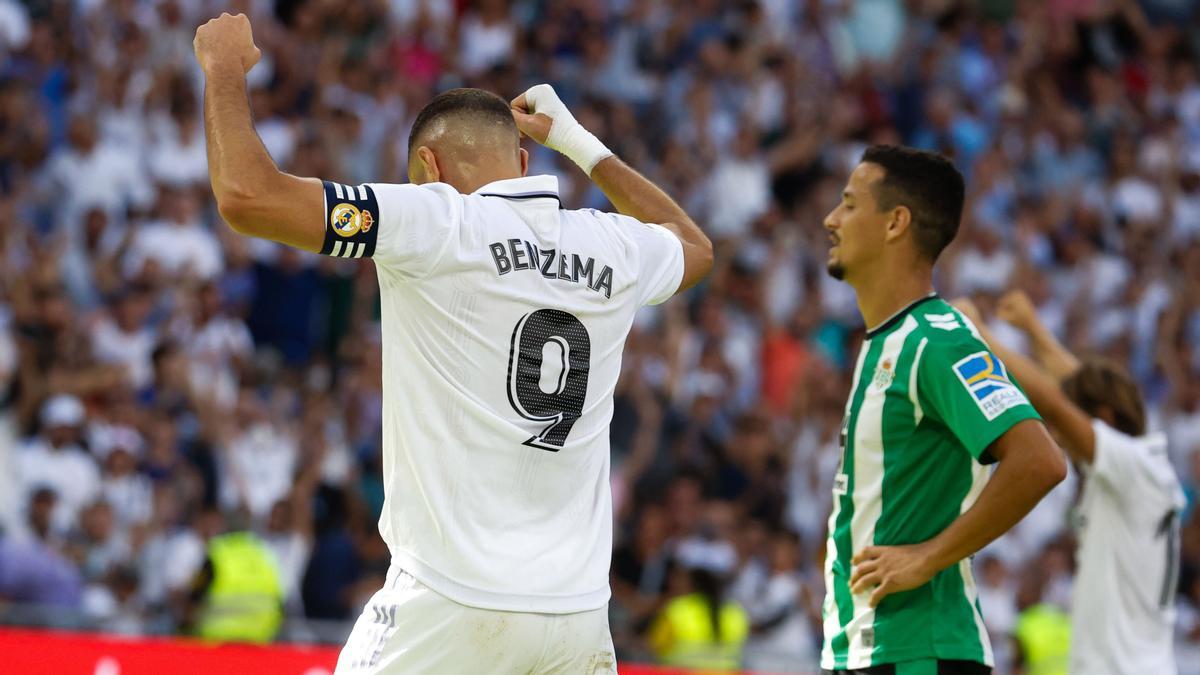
530,121
884,570
1016,308
541,115
226,37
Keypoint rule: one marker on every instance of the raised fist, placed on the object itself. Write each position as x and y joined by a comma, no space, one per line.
226,37
1016,308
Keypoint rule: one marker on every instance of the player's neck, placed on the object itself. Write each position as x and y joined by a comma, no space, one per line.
884,295
469,177
468,184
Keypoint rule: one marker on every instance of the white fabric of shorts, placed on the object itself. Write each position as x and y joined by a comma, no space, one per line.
408,628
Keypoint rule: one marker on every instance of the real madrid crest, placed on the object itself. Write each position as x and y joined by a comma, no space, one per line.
884,374
348,220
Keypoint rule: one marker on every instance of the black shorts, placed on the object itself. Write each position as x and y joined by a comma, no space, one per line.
942,668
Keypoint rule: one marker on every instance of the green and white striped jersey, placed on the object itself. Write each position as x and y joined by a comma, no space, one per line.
928,398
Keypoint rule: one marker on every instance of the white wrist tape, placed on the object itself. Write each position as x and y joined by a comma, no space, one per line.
578,144
566,134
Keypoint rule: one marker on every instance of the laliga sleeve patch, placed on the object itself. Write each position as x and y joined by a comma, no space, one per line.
987,382
351,221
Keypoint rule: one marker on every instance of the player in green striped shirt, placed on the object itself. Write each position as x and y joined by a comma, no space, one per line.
930,407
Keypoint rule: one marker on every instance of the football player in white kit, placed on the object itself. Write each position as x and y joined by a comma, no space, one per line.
504,318
1123,601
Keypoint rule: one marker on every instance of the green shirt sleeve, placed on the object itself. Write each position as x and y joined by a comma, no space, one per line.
961,383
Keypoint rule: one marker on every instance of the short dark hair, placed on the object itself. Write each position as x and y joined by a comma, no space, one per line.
1100,383
464,101
928,184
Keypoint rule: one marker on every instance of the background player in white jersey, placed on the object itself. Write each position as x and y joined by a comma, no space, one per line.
1123,604
504,318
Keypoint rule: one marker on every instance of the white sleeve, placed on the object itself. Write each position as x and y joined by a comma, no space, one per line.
405,228
1131,466
1115,457
660,259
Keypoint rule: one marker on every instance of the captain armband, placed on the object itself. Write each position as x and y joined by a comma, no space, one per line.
351,221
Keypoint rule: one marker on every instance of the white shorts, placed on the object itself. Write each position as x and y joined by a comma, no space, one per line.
409,628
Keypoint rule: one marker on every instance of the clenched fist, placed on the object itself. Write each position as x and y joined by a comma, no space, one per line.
226,39
541,115
1016,308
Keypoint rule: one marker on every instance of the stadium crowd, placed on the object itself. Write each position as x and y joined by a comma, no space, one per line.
163,380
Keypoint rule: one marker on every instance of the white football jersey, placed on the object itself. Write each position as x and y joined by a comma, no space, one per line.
504,318
1123,603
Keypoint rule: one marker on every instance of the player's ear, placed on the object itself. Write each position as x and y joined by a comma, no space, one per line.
899,222
425,168
524,161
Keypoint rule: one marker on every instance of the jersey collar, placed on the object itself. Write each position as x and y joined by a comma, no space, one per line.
521,189
891,321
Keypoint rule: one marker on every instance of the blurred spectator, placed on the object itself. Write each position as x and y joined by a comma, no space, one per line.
122,335
127,490
1042,630
179,245
782,607
56,459
219,347
699,628
97,546
998,601
93,172
289,526
238,593
639,569
487,37
259,459
89,262
31,572
14,25
175,147
39,518
116,603
743,172
172,551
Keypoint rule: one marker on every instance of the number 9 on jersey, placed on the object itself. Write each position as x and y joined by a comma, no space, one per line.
553,334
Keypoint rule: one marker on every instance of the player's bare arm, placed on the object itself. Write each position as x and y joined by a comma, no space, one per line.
1072,423
540,115
634,195
252,194
1029,466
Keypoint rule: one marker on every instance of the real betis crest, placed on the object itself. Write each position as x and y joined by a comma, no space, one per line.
885,372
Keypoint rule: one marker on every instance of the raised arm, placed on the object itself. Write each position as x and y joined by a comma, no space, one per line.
1017,309
635,195
1042,387
253,195
540,115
